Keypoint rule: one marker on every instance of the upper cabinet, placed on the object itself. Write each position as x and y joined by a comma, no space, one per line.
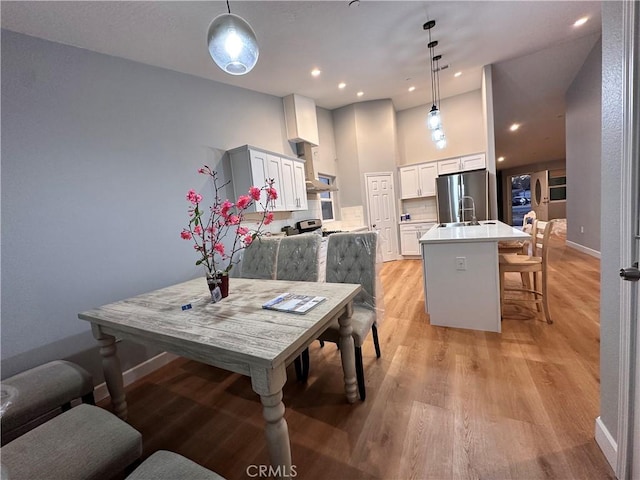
462,164
418,180
252,167
301,119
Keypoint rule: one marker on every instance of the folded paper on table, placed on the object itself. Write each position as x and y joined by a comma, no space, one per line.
293,303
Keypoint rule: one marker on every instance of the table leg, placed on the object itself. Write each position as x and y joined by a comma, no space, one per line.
268,384
347,354
112,370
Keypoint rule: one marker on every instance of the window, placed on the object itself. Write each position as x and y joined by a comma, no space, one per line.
326,199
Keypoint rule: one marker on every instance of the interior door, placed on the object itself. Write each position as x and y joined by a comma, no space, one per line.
382,212
540,194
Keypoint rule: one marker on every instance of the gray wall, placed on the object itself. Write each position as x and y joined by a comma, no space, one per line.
97,156
344,124
612,110
583,149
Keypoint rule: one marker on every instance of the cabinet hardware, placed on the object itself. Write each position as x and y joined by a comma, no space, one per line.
631,274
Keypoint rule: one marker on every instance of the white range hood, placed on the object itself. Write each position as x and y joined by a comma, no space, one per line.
302,128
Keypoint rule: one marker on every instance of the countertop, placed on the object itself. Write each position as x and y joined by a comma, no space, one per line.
487,231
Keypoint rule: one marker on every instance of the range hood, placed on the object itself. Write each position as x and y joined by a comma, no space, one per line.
305,151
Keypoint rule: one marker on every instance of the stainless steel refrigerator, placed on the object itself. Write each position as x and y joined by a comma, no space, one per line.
460,196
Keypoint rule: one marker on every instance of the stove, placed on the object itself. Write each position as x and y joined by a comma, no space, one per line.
306,226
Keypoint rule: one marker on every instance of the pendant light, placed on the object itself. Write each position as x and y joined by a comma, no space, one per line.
232,43
433,118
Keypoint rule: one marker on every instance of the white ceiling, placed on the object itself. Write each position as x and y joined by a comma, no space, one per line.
377,47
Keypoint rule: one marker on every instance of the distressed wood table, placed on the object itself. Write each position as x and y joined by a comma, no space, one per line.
236,334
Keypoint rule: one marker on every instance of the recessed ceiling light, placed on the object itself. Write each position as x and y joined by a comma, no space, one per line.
501,159
580,21
457,74
315,72
514,127
342,85
360,94
412,88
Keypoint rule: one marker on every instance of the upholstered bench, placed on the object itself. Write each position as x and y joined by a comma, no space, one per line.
41,391
86,442
164,465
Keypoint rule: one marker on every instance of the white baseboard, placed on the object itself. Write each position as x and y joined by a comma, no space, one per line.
607,444
583,249
100,392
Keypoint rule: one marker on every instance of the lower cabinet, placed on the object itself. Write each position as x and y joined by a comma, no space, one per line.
410,237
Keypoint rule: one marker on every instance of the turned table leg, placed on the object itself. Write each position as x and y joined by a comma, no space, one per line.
347,354
112,370
268,384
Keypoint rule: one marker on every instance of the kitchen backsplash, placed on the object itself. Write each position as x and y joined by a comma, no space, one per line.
420,208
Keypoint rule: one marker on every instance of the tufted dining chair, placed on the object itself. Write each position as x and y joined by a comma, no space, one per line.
298,261
351,258
260,259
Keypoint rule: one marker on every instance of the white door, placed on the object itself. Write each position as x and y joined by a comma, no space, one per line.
299,183
288,185
540,194
274,171
427,174
409,186
628,441
382,212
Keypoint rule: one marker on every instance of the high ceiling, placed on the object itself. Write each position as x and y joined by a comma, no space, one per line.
375,47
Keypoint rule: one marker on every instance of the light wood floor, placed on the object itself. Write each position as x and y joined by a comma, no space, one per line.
442,403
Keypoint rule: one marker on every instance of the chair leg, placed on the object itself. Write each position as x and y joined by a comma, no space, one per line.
537,287
298,365
376,343
305,364
89,399
360,373
545,299
501,274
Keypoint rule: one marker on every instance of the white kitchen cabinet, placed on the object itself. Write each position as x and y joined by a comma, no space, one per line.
293,186
418,180
462,164
410,237
473,162
251,166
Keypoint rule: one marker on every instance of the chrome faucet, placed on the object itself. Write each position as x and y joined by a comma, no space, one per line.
462,209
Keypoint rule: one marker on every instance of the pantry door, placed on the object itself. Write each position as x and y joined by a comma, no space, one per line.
382,212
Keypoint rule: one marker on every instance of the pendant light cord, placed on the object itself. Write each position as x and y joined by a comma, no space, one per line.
433,88
228,7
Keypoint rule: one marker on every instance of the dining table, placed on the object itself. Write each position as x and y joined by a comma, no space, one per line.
235,334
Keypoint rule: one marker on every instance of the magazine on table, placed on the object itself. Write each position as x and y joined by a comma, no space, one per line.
293,303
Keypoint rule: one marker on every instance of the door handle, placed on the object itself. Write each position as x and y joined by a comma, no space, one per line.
631,274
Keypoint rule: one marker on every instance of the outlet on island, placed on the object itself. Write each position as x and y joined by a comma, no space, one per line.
461,263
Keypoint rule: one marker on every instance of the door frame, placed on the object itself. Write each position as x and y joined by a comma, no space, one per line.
628,390
393,210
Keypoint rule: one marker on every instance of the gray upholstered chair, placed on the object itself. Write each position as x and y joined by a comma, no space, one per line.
40,393
86,442
298,261
351,258
164,465
260,258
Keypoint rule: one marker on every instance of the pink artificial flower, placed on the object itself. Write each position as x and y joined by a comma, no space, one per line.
268,218
219,247
186,234
272,194
243,202
226,206
211,230
234,219
194,197
248,239
197,230
201,170
254,192
242,231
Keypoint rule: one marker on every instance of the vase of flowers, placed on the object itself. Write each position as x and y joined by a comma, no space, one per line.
213,229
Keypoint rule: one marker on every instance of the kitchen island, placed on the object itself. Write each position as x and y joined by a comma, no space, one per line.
460,272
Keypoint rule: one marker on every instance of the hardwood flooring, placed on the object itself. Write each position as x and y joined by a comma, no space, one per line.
441,403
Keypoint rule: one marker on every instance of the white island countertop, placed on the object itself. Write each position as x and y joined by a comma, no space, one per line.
487,231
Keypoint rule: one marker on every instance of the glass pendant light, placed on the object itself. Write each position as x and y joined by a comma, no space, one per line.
433,118
437,134
441,143
232,43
